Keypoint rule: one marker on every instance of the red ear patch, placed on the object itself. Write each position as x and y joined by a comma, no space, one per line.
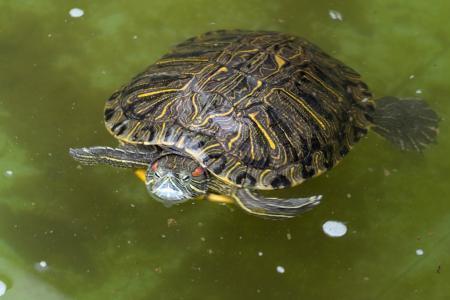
155,167
198,171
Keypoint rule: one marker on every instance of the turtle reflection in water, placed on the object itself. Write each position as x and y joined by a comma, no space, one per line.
229,113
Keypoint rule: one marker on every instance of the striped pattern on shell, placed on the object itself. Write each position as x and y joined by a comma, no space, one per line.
263,110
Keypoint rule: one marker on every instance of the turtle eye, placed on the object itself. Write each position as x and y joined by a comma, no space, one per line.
154,168
198,171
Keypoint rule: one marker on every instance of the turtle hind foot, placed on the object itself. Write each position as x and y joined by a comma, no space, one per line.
273,208
409,124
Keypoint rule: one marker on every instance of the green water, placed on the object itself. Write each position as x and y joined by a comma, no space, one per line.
98,235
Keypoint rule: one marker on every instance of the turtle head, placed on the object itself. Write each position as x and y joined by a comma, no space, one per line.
174,179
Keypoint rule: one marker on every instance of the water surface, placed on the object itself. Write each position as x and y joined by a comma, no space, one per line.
71,232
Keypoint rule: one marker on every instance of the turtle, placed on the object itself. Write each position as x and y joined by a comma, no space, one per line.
230,113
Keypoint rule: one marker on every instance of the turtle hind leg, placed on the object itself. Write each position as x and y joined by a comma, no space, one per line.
407,123
273,208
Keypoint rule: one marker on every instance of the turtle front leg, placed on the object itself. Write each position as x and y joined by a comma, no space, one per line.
273,208
141,174
220,198
124,156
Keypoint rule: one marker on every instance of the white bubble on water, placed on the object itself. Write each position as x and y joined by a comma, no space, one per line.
8,173
260,253
41,266
334,228
280,269
419,91
76,12
335,15
419,252
3,288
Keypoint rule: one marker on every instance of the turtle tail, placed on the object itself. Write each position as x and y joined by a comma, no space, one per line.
408,123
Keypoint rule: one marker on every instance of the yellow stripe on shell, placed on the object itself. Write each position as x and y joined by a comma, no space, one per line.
252,150
164,110
245,51
230,84
205,121
236,137
258,85
158,92
306,107
280,61
199,72
220,70
236,165
131,131
323,84
262,129
194,104
159,138
210,147
300,52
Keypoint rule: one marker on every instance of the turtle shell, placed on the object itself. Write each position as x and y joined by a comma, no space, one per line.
263,110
